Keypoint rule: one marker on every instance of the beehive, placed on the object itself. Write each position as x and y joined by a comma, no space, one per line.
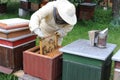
46,67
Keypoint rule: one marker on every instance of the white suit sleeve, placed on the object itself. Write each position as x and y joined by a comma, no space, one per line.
36,18
63,31
34,22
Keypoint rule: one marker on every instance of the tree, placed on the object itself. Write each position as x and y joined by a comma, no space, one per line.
116,13
116,8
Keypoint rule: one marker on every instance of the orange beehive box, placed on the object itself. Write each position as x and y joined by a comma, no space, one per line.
45,67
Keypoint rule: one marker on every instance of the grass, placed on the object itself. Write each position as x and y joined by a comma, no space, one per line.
7,77
100,21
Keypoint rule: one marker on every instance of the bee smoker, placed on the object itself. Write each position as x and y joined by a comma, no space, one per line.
102,38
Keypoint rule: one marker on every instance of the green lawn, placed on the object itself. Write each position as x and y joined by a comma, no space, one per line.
100,21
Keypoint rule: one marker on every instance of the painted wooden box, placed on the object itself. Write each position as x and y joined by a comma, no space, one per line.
35,1
116,59
87,1
11,58
25,5
117,64
116,74
86,11
13,33
42,66
34,6
81,61
13,42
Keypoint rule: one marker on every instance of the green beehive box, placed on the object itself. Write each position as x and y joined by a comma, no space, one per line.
84,62
83,68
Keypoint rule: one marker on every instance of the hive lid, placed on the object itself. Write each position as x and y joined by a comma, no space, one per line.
88,4
83,48
116,57
13,23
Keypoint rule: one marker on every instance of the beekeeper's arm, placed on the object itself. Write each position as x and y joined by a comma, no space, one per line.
36,18
63,31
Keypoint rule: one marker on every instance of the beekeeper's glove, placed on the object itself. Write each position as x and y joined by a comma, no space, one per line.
60,33
38,32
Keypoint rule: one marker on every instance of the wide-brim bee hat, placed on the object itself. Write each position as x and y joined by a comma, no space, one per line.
67,11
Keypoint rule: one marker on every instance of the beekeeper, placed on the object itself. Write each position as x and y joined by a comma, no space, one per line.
56,17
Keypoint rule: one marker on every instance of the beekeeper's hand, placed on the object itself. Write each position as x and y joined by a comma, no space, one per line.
57,33
38,32
60,33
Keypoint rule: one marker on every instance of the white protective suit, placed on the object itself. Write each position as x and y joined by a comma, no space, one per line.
44,19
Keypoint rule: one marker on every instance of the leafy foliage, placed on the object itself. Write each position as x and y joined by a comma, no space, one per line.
103,16
3,1
7,77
